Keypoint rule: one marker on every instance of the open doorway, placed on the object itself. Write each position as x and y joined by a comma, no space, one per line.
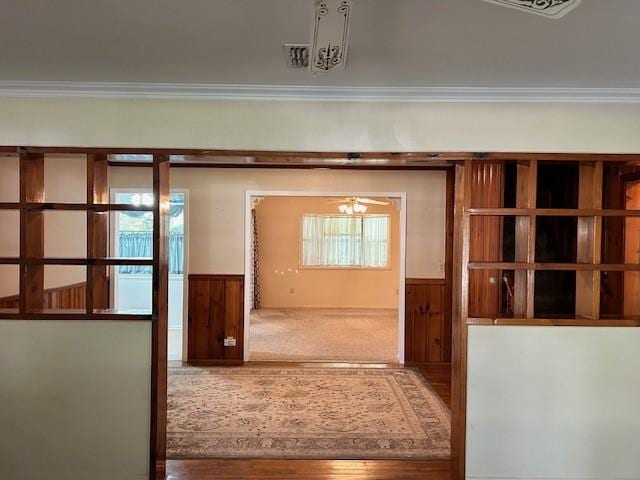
325,277
133,238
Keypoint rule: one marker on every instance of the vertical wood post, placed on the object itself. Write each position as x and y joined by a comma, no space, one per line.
97,289
160,323
525,239
589,246
31,231
459,318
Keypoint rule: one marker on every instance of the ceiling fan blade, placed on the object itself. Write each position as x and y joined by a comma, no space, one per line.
371,201
344,200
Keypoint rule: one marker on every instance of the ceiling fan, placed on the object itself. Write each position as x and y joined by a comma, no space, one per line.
351,205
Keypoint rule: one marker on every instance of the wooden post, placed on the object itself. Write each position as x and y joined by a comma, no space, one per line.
160,323
589,241
97,289
459,319
525,239
31,231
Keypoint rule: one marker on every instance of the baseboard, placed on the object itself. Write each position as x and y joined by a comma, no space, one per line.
331,307
213,363
426,364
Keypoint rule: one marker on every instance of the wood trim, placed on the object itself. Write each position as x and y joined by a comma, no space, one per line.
579,267
97,232
31,232
448,261
553,212
425,281
103,207
47,291
423,155
459,315
552,322
215,276
212,363
79,314
160,318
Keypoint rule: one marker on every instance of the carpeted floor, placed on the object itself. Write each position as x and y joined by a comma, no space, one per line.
323,334
305,412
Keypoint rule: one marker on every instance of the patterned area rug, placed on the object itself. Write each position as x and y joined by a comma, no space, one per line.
335,413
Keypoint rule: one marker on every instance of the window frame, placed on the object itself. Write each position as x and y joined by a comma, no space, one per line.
302,266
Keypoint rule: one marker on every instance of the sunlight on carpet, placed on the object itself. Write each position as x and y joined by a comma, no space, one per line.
324,334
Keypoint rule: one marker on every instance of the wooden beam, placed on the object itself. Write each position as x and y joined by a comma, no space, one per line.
459,317
448,262
159,328
97,291
526,190
589,240
31,232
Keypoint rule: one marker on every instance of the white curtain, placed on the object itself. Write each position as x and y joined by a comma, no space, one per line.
345,240
376,240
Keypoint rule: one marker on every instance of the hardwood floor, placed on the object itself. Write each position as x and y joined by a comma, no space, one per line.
307,469
438,376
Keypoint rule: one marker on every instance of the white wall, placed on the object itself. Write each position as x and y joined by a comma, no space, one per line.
324,126
217,196
553,403
74,400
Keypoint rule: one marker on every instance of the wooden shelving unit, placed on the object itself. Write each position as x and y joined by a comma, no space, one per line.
588,266
31,262
479,218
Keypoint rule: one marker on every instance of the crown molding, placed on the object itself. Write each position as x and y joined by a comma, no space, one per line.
318,93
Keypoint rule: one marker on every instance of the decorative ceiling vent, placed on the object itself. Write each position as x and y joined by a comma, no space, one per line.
297,56
547,8
330,35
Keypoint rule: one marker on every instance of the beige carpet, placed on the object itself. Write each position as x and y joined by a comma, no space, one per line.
319,334
336,413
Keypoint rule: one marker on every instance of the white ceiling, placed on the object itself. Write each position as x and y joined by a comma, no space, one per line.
394,43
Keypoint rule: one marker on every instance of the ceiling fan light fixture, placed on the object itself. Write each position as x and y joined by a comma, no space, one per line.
546,8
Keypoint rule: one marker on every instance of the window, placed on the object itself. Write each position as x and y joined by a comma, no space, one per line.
360,241
135,233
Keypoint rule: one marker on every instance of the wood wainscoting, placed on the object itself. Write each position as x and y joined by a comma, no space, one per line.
427,322
68,297
216,312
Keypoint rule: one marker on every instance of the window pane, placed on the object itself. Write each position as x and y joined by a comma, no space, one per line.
345,240
376,241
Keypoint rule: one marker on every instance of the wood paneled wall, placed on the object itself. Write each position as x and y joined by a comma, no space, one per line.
487,191
216,311
616,178
427,322
69,297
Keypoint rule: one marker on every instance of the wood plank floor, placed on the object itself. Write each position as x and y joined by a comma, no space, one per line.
439,376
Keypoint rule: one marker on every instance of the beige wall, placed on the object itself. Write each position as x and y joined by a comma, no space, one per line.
74,400
553,403
324,126
216,208
284,283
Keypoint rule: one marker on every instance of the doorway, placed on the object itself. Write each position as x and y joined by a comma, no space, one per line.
325,280
132,238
